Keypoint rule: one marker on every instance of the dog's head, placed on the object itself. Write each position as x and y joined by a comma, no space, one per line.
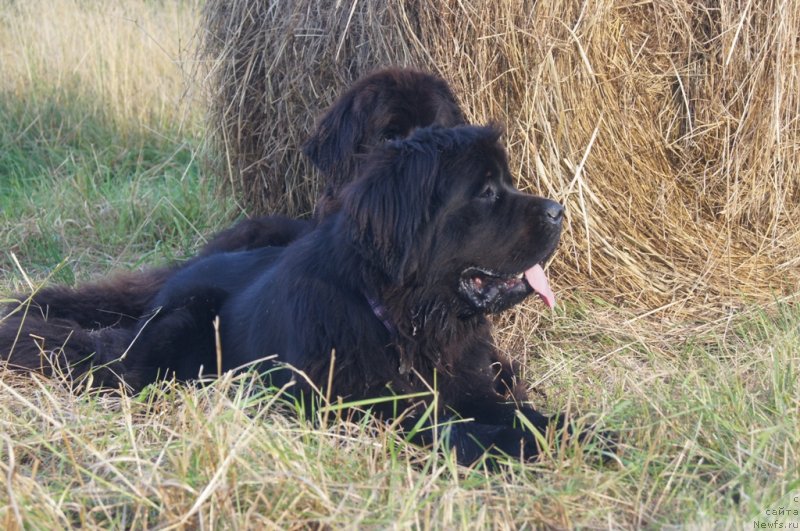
386,105
439,211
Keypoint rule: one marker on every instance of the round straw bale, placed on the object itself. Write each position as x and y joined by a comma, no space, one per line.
670,130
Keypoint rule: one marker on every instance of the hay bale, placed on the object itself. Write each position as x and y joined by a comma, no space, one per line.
277,66
669,129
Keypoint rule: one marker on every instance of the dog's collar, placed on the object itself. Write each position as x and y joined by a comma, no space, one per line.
382,313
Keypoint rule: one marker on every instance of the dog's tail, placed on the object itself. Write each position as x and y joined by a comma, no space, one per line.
62,348
119,301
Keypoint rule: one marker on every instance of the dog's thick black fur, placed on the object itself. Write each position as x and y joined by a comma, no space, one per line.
397,282
386,104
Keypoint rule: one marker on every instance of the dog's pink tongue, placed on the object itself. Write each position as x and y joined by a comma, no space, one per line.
538,281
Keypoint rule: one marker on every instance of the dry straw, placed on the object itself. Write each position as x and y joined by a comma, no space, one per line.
670,129
125,59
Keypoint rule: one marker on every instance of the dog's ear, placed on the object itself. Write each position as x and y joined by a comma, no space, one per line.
338,139
389,206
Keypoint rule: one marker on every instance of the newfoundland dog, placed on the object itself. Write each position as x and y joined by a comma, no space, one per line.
384,105
388,296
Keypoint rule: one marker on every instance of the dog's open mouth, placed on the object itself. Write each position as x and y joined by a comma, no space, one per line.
492,291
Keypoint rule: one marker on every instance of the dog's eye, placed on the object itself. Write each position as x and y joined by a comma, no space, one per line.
488,193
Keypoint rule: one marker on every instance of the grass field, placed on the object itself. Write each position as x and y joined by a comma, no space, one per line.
101,151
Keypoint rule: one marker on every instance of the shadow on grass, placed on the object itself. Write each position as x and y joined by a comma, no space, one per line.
76,184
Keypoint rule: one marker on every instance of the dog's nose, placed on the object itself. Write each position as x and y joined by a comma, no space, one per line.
553,212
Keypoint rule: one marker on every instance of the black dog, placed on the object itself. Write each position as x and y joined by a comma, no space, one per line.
384,105
398,283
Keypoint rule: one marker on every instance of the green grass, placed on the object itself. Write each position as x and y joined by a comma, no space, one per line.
77,189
